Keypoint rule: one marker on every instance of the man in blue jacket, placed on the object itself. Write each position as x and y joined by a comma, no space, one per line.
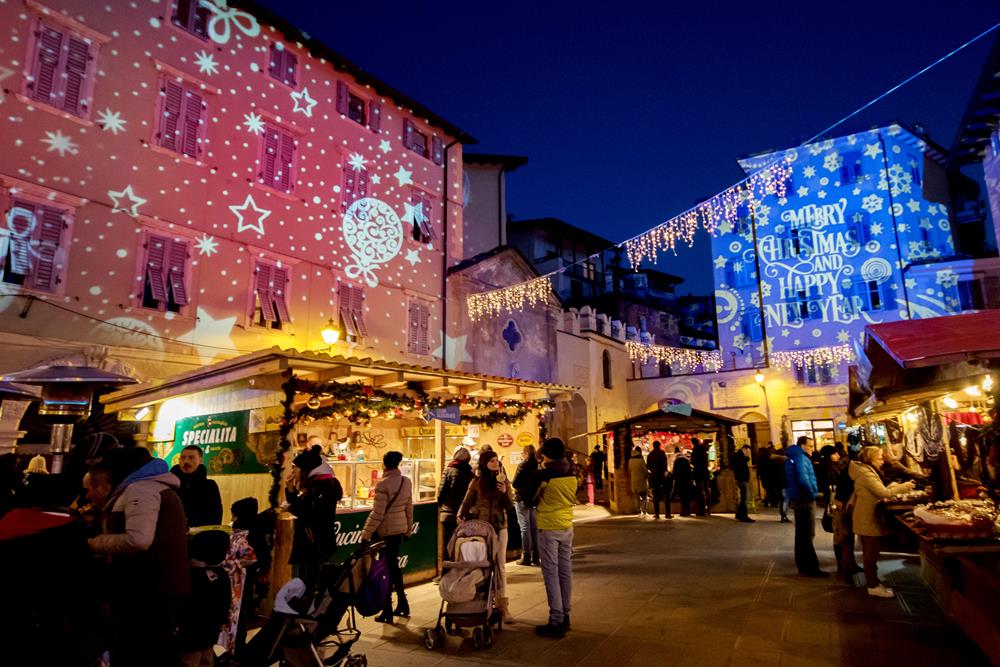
802,491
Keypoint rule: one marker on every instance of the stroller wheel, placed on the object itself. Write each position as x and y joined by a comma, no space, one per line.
478,640
487,636
430,639
356,661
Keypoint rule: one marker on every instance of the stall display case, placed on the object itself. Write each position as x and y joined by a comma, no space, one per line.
358,478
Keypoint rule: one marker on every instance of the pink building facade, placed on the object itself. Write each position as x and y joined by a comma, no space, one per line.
185,182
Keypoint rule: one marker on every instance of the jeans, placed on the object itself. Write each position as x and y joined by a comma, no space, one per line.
527,520
783,504
871,546
392,543
805,529
743,509
556,548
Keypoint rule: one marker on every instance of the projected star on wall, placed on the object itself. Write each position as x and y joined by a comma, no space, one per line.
254,122
873,150
412,213
134,201
206,63
209,331
458,353
357,161
375,179
384,146
413,257
403,177
60,143
720,262
258,225
207,245
303,103
111,121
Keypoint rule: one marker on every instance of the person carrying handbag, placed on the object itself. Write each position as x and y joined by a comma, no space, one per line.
391,519
841,507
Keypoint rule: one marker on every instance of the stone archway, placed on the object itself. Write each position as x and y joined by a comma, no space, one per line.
758,428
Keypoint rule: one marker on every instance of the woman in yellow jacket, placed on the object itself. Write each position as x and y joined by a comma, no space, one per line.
868,491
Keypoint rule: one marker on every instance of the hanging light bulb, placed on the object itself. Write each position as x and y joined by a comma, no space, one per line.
950,402
988,383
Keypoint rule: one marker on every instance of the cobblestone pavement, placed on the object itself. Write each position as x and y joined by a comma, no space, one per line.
695,591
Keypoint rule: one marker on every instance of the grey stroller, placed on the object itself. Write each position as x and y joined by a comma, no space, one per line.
468,588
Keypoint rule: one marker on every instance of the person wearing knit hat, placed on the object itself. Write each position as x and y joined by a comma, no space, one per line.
314,506
454,484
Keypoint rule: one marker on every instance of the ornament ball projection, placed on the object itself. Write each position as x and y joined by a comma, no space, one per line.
107,168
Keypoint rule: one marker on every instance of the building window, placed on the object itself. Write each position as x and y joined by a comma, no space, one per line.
665,369
791,243
165,263
815,374
277,159
270,296
549,248
752,326
282,64
418,341
512,336
30,246
417,141
589,269
859,231
191,16
355,108
803,305
61,69
851,168
423,230
917,162
606,368
352,312
355,185
871,295
926,241
739,274
970,294
181,122
820,430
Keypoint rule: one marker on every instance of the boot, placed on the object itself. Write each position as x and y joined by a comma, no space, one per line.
504,604
402,608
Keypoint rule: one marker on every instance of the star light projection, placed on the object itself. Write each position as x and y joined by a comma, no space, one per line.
258,220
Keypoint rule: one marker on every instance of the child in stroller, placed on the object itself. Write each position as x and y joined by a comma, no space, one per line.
305,622
468,587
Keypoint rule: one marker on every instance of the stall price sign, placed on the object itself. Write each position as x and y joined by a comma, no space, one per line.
223,438
524,439
505,440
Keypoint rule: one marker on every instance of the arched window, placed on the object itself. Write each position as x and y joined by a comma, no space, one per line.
606,367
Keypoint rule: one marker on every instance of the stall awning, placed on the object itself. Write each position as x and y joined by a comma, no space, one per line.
264,369
658,420
937,340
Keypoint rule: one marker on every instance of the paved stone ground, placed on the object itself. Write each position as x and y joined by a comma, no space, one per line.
696,591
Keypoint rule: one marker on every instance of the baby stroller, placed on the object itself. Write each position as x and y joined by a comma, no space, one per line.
304,622
468,588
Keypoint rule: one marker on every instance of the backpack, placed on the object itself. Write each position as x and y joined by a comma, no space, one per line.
375,588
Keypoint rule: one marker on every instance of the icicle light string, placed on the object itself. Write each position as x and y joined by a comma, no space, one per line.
724,206
685,359
817,355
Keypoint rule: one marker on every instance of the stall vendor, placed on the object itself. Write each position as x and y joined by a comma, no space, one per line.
200,495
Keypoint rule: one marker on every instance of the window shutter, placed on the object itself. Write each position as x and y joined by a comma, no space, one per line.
407,133
269,160
156,253
194,108
48,52
185,12
346,315
22,227
77,60
414,328
361,184
173,100
175,274
426,229
289,65
275,62
437,151
888,295
358,310
45,275
374,116
263,289
287,156
423,341
279,283
350,185
343,98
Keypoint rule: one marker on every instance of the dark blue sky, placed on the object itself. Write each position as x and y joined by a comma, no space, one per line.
631,112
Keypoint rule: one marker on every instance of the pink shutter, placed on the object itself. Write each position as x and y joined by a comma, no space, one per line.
177,258
77,62
289,66
275,62
350,185
269,159
407,133
343,98
263,289
426,229
194,109
345,298
423,335
437,151
279,283
156,256
361,188
22,227
287,157
50,229
374,116
414,328
173,101
48,52
358,310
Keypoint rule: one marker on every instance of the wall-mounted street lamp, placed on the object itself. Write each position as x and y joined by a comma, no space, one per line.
330,333
758,377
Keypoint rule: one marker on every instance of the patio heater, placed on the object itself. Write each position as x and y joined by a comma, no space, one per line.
67,395
14,400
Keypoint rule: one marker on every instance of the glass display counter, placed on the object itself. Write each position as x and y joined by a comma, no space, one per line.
358,478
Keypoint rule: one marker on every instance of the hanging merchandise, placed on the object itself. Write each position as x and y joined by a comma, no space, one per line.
684,359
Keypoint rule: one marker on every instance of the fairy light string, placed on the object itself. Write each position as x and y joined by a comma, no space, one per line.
831,355
682,358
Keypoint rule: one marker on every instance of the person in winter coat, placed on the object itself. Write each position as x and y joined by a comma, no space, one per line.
741,471
456,480
763,473
489,499
200,495
391,519
683,480
656,463
868,491
838,471
638,473
312,500
598,466
555,498
702,476
206,610
145,537
802,491
527,518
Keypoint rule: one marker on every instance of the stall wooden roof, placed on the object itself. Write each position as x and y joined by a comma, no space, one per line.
658,420
264,368
937,340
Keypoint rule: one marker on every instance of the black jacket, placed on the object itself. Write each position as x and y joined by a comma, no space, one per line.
699,462
200,495
315,513
524,480
205,610
656,462
598,461
455,484
682,471
741,467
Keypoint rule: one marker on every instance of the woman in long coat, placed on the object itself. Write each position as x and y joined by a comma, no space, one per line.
639,473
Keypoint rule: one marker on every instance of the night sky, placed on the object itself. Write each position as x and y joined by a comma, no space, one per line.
630,113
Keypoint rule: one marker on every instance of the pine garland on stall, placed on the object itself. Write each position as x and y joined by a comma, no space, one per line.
284,444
